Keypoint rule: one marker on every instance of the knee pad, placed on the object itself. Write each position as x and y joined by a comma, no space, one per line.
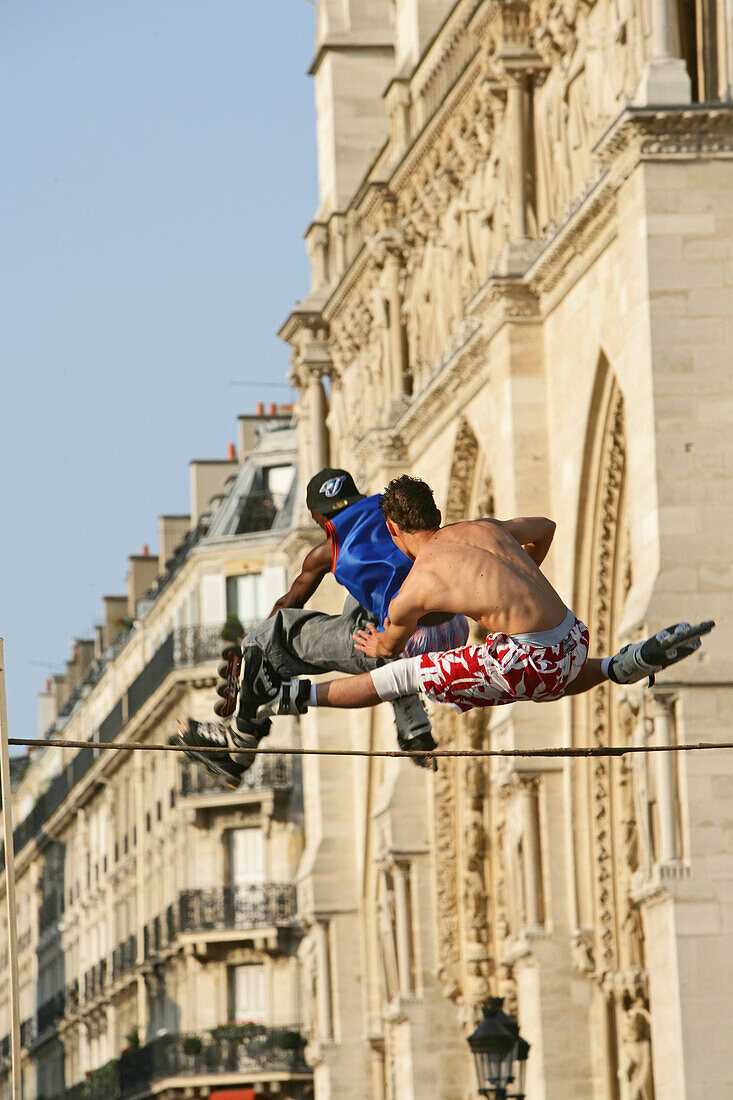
397,678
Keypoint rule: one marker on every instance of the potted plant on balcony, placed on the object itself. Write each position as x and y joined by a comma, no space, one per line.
232,630
238,1029
192,1046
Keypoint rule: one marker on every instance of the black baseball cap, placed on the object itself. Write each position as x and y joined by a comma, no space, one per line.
330,491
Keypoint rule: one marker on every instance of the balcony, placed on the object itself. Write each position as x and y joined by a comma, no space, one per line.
226,1056
237,908
95,980
223,910
27,1031
124,957
268,773
72,995
184,648
49,912
50,1011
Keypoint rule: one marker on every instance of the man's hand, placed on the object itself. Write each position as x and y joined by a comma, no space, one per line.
367,640
533,534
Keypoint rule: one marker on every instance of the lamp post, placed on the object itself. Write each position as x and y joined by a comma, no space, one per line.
496,1046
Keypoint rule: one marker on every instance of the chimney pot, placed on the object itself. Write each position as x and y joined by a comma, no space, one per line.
231,453
48,687
146,549
273,409
259,409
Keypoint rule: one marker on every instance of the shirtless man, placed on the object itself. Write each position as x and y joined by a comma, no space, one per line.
536,649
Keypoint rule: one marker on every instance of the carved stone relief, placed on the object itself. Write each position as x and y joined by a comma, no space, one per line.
594,53
614,956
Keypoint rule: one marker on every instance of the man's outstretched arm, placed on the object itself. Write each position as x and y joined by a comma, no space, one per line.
314,568
398,629
534,534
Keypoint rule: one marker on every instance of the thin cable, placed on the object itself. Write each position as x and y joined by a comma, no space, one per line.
592,751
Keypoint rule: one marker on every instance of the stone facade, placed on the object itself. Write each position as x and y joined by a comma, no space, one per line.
157,908
522,291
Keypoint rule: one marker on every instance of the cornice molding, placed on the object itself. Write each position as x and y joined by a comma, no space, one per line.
644,133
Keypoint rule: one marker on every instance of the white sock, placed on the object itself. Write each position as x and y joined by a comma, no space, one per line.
604,666
312,700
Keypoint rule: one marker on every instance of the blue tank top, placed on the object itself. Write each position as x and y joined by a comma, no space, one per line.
365,560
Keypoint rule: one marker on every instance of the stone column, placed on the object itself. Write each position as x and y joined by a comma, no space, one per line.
318,409
515,122
402,922
376,1051
519,62
532,855
312,364
317,241
398,109
665,80
323,984
392,273
663,714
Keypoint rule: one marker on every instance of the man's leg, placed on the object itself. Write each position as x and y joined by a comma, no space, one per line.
402,677
308,642
390,682
590,677
296,643
353,692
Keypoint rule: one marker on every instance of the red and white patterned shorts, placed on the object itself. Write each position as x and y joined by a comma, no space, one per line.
504,670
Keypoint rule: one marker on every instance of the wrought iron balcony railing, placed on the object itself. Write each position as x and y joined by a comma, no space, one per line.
27,1031
224,908
50,1011
95,980
260,1050
221,909
268,773
195,645
49,912
184,648
124,956
72,995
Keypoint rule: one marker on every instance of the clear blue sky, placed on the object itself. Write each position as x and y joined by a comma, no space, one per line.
158,171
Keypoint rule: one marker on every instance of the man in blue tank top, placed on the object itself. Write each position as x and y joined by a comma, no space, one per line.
362,556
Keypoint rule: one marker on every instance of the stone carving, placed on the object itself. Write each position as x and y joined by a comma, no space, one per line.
309,978
444,802
388,934
594,53
465,454
635,1068
474,889
609,495
631,931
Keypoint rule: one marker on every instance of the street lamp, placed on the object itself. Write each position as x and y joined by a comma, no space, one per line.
496,1045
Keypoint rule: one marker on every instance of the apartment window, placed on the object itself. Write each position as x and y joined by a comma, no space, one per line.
246,856
245,597
248,994
278,480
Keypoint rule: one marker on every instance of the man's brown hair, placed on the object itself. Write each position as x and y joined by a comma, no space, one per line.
409,503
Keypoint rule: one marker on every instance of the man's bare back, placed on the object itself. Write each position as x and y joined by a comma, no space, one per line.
480,568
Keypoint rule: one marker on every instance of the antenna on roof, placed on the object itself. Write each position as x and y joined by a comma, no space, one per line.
261,385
